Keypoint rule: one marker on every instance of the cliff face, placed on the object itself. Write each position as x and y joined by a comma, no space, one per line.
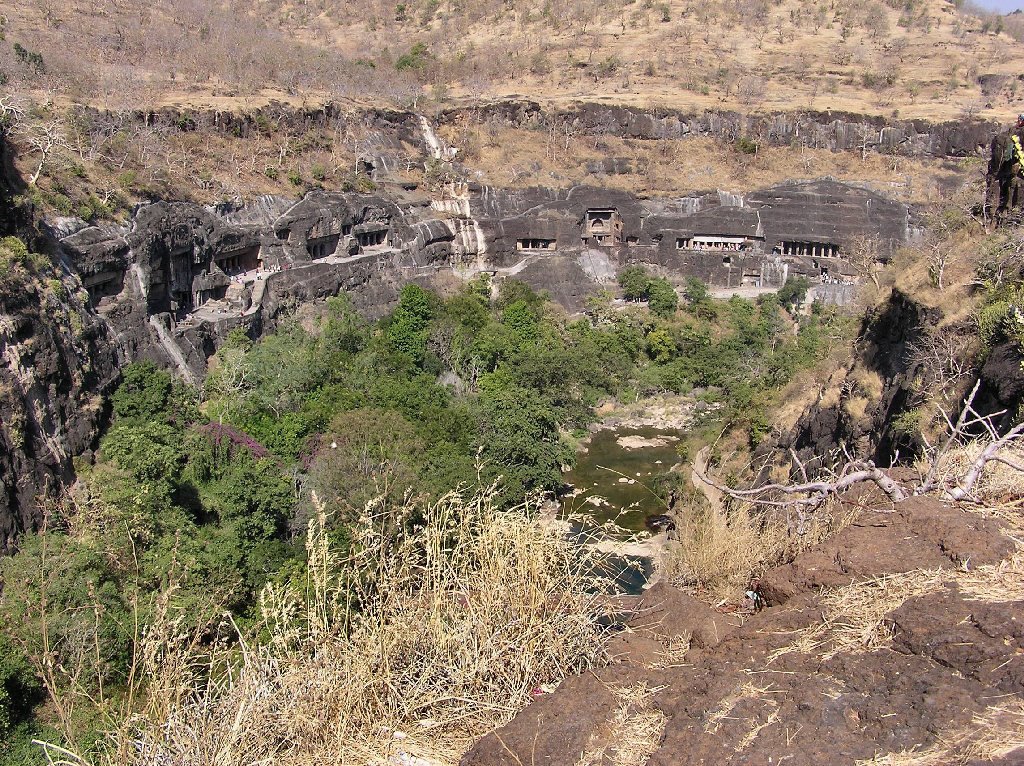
180,276
837,131
58,365
174,281
885,353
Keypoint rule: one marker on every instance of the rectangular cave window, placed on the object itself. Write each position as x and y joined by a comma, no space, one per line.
535,244
102,285
321,247
632,240
346,229
372,238
238,261
812,249
726,260
705,242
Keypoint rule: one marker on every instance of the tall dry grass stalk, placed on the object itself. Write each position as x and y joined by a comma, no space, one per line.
437,627
719,552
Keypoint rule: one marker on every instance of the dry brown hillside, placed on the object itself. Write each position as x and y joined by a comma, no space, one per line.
914,58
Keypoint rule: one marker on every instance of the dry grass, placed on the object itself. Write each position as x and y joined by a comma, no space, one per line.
996,583
856,407
854,616
759,711
857,57
516,157
723,710
996,732
423,639
869,383
718,553
998,484
633,732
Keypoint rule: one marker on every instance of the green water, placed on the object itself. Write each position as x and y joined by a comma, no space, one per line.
600,470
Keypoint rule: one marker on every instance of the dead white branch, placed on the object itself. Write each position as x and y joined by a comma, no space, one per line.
816,492
807,496
990,454
44,139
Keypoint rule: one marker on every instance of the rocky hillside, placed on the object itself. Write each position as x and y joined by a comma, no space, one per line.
923,59
896,642
59,363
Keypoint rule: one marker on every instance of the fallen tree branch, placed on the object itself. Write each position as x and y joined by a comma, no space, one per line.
817,491
808,496
965,487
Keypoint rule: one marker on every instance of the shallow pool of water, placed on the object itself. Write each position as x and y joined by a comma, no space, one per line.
616,483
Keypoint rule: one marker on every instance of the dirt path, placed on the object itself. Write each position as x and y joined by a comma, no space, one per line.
714,495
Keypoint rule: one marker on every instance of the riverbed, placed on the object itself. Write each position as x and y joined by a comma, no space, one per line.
615,478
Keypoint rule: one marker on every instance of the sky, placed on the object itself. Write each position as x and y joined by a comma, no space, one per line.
1003,6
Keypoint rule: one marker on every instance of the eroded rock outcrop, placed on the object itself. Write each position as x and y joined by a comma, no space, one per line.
904,651
59,364
174,282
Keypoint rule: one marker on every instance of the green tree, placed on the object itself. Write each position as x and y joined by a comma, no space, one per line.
365,454
634,281
696,291
20,688
662,297
660,346
522,320
407,331
521,441
150,451
793,293
144,392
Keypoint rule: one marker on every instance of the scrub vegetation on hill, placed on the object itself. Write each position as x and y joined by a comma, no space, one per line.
925,58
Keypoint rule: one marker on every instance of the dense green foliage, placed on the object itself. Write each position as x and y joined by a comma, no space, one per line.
1000,275
206,492
638,285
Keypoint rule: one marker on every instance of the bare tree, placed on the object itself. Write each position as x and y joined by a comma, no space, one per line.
994,450
808,495
942,356
863,255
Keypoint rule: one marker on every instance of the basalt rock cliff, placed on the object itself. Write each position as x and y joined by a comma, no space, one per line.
59,363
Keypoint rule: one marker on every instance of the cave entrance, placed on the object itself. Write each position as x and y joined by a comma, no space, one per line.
234,262
212,294
372,238
180,263
322,247
704,242
103,284
813,249
535,244
603,226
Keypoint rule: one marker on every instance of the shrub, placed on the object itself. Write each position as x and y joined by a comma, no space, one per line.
417,58
662,297
634,281
746,145
455,619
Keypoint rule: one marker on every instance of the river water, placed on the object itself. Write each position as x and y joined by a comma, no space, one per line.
615,483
